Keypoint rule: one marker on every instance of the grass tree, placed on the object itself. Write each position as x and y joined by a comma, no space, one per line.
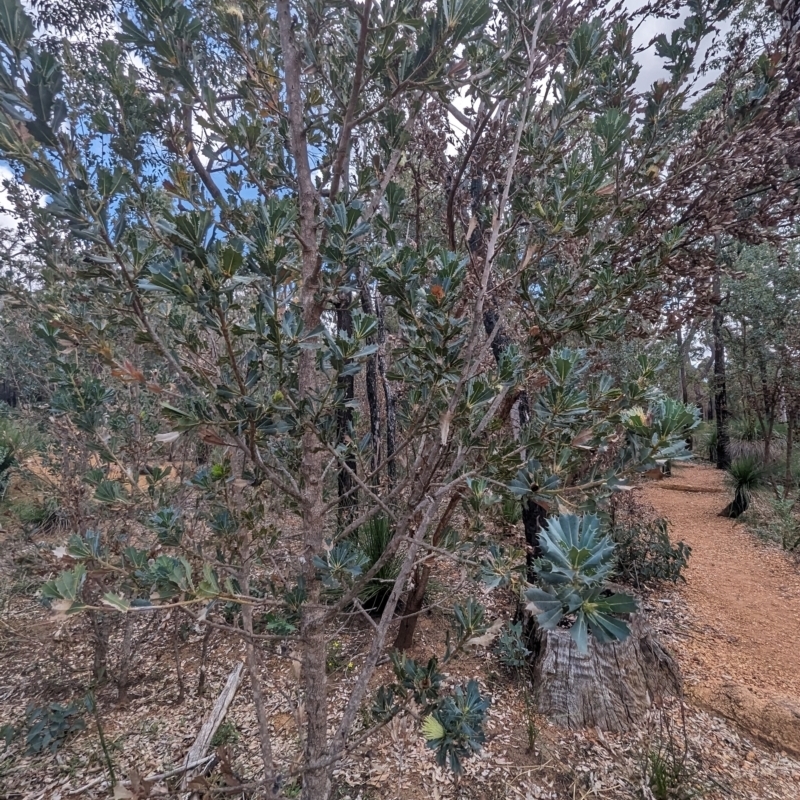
217,223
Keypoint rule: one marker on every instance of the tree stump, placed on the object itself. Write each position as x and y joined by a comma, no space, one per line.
611,686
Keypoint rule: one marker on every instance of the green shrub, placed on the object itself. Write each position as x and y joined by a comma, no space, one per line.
668,770
572,573
49,726
510,647
17,442
455,728
644,553
510,510
372,539
478,499
775,520
36,514
745,474
227,733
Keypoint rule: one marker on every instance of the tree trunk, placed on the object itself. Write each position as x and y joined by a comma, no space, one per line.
720,390
611,686
317,779
371,378
416,598
683,347
122,677
252,659
682,368
533,515
788,478
737,507
767,422
391,413
101,630
348,492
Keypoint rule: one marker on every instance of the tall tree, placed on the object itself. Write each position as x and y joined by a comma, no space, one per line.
198,192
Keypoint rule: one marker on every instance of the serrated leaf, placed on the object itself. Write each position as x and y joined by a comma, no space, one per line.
116,601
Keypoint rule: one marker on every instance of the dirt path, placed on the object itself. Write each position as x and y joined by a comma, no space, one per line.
740,649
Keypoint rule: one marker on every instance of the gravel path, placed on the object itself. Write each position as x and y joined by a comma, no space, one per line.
743,596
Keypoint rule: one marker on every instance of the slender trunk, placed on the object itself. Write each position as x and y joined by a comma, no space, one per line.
767,421
100,633
176,650
788,478
123,672
201,679
316,782
418,209
371,379
720,390
533,515
413,607
391,413
348,493
682,368
422,574
253,670
683,348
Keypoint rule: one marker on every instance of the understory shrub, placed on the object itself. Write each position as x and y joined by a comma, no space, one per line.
775,521
745,474
373,539
510,647
49,726
576,562
645,553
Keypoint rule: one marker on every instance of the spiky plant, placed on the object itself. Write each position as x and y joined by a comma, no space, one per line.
373,538
572,572
711,444
745,474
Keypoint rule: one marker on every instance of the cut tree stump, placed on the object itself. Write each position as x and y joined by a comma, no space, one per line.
611,686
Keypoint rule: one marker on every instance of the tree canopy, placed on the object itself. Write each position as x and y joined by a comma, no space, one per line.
362,258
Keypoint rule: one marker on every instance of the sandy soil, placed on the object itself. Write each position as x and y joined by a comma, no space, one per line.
742,596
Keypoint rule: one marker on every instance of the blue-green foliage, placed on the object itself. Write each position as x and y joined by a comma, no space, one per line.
455,729
49,725
576,562
510,647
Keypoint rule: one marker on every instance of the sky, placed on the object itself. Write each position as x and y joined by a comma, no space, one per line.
651,71
6,220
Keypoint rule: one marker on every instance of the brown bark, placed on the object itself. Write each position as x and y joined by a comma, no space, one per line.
422,574
371,379
254,671
316,782
122,679
611,686
341,159
100,633
176,651
389,398
788,477
348,491
682,367
201,678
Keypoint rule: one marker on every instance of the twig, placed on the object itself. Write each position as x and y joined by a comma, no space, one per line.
152,778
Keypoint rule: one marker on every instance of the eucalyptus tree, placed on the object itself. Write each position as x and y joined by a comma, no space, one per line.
215,207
